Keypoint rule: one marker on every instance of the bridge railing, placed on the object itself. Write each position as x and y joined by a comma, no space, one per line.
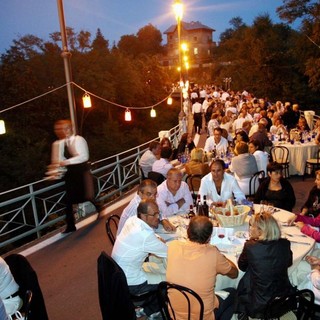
32,210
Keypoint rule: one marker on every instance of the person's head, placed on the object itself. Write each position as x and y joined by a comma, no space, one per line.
147,189
165,142
241,147
263,121
302,123
317,180
148,211
254,145
262,127
174,178
295,107
63,129
196,154
217,133
274,170
242,136
263,226
166,152
200,229
155,147
184,138
246,125
217,169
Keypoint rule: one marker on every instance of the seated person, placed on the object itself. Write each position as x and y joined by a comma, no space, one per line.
9,289
313,277
216,142
278,128
276,189
261,136
149,157
185,141
219,186
264,252
165,142
262,157
133,245
163,164
3,313
241,136
200,262
173,196
196,165
244,166
312,205
146,190
302,125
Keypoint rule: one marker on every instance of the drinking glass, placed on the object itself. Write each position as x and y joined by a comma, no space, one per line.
221,232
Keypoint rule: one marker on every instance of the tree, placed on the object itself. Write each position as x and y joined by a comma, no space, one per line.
309,13
100,43
129,44
150,40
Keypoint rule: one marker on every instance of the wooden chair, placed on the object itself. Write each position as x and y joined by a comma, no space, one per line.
301,303
280,154
112,227
143,177
254,183
27,304
312,164
193,181
115,300
165,289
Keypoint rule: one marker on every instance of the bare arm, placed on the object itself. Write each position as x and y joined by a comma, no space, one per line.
233,273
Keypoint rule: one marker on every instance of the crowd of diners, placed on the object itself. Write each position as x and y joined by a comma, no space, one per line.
241,125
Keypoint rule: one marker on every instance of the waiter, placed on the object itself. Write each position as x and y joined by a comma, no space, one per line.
74,155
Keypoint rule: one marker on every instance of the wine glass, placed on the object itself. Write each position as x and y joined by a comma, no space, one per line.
221,232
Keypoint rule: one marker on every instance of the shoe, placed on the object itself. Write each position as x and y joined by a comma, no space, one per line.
69,230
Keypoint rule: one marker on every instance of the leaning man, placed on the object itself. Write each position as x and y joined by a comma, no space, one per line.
133,245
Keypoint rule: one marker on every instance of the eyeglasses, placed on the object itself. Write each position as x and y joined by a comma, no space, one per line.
150,194
154,214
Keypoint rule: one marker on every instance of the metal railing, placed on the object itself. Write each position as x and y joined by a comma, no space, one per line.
30,211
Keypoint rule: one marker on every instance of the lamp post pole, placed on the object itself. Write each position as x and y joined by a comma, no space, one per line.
66,56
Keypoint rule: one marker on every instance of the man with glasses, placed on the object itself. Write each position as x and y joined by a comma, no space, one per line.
134,244
146,190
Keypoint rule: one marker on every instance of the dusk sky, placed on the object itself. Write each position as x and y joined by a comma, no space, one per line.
117,18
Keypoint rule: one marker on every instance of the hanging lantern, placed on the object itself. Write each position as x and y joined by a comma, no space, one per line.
2,127
86,101
153,113
169,101
127,115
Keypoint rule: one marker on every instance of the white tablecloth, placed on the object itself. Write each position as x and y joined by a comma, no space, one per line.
301,245
298,154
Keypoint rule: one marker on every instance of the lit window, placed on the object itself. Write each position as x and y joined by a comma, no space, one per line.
195,51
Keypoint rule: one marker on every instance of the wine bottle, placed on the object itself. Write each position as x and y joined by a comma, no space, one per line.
205,207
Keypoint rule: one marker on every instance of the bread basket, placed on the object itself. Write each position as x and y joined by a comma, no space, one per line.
226,219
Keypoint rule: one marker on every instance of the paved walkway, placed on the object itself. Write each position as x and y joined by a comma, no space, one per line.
67,265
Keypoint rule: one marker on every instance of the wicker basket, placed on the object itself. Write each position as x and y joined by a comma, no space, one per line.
232,221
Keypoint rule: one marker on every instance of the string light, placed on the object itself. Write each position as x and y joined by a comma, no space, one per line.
153,113
169,101
2,127
127,115
86,99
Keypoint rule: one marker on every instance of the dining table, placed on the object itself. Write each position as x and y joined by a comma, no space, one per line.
230,241
298,154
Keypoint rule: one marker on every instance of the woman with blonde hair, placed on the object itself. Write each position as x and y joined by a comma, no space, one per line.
196,165
263,252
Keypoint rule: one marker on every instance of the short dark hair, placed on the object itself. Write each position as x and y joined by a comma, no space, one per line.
200,229
274,166
257,144
144,206
218,161
217,129
166,152
153,145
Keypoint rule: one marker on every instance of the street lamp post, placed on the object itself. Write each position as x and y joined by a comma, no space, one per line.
66,55
178,10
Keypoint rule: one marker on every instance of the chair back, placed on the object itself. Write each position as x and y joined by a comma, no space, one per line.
114,296
193,181
143,177
27,305
254,182
301,303
112,227
169,293
157,177
279,154
27,279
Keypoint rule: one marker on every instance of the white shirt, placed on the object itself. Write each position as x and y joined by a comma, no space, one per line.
262,160
78,149
165,196
129,211
134,243
162,166
8,286
146,162
196,108
229,188
222,146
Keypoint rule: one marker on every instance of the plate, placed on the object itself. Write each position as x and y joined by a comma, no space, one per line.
242,235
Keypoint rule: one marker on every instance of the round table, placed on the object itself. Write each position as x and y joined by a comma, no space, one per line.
301,244
298,155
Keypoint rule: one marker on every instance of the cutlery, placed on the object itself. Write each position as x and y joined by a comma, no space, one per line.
296,235
299,242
